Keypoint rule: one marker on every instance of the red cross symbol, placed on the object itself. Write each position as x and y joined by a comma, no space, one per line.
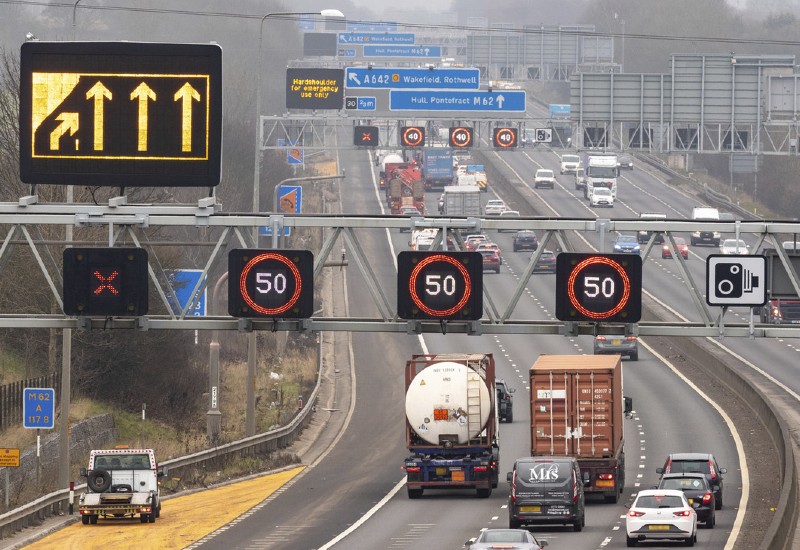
106,283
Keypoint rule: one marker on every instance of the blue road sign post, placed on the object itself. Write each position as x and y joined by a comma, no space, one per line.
398,79
376,38
290,201
38,408
346,52
402,51
183,282
506,101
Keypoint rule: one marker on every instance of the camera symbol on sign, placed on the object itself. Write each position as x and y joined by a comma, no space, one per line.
733,280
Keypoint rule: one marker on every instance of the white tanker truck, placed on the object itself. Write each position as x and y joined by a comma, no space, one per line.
451,423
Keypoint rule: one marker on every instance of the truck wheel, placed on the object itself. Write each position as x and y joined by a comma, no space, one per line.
99,481
151,517
510,417
414,493
484,493
85,520
514,523
158,510
143,518
93,519
611,498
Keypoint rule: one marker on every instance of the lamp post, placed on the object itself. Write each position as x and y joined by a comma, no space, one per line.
250,416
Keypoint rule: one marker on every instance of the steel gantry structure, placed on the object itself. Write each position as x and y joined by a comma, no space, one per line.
22,225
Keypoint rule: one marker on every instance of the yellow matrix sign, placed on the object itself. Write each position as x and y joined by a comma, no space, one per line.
121,114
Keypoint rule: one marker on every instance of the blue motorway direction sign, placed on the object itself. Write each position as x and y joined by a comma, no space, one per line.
402,51
372,26
505,101
376,38
377,77
38,408
183,282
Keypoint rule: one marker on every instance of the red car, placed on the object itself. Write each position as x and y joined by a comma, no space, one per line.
666,251
491,259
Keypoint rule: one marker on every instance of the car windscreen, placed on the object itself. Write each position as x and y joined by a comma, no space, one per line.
689,466
658,501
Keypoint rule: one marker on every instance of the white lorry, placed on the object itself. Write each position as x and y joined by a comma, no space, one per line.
600,169
462,200
121,483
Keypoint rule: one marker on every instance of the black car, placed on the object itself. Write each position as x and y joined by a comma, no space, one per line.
697,491
697,463
505,402
625,162
546,262
525,240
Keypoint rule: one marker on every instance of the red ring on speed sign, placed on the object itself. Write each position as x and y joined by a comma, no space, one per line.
626,287
418,301
466,132
298,283
413,142
500,138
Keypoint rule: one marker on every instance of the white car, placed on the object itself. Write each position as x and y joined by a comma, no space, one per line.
494,207
570,163
544,178
659,514
734,246
601,196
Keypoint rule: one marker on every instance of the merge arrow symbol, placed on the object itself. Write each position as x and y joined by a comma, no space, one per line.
69,123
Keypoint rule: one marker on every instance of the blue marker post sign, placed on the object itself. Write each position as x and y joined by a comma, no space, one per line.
38,408
402,51
376,38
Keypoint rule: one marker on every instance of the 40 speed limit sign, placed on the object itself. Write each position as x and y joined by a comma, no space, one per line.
440,285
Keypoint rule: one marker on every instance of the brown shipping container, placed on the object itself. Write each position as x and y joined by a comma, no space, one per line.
576,406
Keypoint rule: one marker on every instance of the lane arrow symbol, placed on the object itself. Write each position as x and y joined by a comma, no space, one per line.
142,93
69,123
186,94
500,101
354,78
98,92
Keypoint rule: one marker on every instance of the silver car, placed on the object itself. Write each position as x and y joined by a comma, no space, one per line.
518,539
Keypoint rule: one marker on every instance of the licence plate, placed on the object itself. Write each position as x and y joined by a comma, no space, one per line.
658,527
604,483
691,501
616,342
441,471
457,476
530,509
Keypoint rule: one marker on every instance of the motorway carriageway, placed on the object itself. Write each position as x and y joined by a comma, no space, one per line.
184,519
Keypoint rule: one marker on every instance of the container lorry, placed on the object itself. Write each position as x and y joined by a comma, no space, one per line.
437,169
462,200
600,169
405,187
121,483
451,423
577,410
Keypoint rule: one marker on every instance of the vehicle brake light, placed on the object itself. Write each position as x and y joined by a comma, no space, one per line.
635,514
630,338
712,470
412,469
514,487
480,469
682,513
707,498
600,338
605,476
